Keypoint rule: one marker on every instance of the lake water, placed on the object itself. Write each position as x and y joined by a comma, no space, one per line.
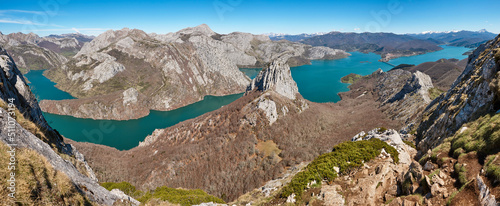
318,82
122,135
43,88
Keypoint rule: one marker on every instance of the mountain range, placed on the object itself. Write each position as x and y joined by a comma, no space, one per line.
391,45
116,67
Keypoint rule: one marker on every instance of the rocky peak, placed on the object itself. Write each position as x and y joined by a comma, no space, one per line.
202,29
420,83
277,77
475,92
109,37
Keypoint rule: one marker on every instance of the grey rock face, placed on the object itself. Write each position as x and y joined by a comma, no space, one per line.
167,73
33,52
485,197
473,94
13,86
187,64
403,95
277,77
25,139
124,196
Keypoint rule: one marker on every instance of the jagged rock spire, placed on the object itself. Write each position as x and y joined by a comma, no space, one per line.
277,77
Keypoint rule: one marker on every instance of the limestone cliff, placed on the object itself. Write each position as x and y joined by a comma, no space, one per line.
401,94
277,77
168,71
473,94
23,127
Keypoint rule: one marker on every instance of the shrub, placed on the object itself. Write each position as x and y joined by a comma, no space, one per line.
346,156
434,93
175,196
492,167
409,143
350,78
125,187
382,129
461,172
482,136
184,197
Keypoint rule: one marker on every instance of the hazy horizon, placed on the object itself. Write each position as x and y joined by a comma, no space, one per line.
93,17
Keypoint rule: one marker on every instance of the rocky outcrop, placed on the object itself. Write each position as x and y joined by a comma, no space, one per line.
13,85
23,126
401,94
377,180
393,138
473,94
485,197
277,77
443,72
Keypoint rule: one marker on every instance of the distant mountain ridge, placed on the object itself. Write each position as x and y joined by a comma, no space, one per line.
293,37
470,39
32,52
390,45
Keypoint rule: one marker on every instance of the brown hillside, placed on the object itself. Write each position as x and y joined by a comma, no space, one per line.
219,154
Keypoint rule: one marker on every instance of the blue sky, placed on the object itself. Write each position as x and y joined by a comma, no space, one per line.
92,17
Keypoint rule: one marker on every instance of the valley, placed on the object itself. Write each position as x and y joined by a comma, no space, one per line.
217,116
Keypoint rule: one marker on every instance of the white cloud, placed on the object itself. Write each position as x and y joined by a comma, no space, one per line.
22,21
21,11
11,21
72,29
357,29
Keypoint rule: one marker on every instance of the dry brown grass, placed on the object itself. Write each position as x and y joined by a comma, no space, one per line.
37,183
268,148
218,154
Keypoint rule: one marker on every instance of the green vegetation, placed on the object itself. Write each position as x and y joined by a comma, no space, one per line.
492,167
403,66
345,156
409,143
434,93
433,173
382,129
125,187
180,196
482,136
350,78
175,196
461,171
